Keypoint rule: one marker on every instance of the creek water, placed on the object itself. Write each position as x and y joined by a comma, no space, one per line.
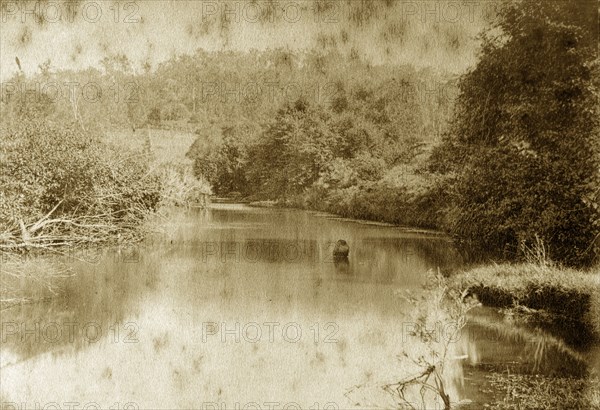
240,307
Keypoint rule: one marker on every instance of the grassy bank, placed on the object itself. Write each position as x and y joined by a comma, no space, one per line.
538,292
564,303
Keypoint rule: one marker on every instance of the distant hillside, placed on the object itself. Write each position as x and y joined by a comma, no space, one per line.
213,89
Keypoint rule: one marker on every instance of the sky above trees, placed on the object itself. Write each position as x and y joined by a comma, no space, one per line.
76,34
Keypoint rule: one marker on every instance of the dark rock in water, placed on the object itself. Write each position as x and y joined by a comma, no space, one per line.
341,249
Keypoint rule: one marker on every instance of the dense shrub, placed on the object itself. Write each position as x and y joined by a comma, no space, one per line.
523,143
404,195
61,184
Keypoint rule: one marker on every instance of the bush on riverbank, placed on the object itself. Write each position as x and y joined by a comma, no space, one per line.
62,186
524,140
566,294
404,196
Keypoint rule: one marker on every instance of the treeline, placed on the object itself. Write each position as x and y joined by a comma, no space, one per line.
213,89
363,156
515,176
349,130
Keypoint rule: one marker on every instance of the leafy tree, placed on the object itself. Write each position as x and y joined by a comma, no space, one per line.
522,146
292,151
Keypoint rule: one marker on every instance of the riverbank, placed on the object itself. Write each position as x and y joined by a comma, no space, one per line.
539,293
339,217
546,305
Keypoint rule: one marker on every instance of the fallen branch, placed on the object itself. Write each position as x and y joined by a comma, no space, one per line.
34,227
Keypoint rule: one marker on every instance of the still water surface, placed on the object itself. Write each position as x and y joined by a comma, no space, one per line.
238,306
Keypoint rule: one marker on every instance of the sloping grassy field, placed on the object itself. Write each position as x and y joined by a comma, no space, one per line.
167,146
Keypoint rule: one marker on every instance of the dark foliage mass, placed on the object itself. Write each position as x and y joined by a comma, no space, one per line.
359,150
523,147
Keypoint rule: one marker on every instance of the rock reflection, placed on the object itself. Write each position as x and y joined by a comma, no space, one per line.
342,265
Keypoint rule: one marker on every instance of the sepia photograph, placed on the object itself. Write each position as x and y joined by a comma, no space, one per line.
299,204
